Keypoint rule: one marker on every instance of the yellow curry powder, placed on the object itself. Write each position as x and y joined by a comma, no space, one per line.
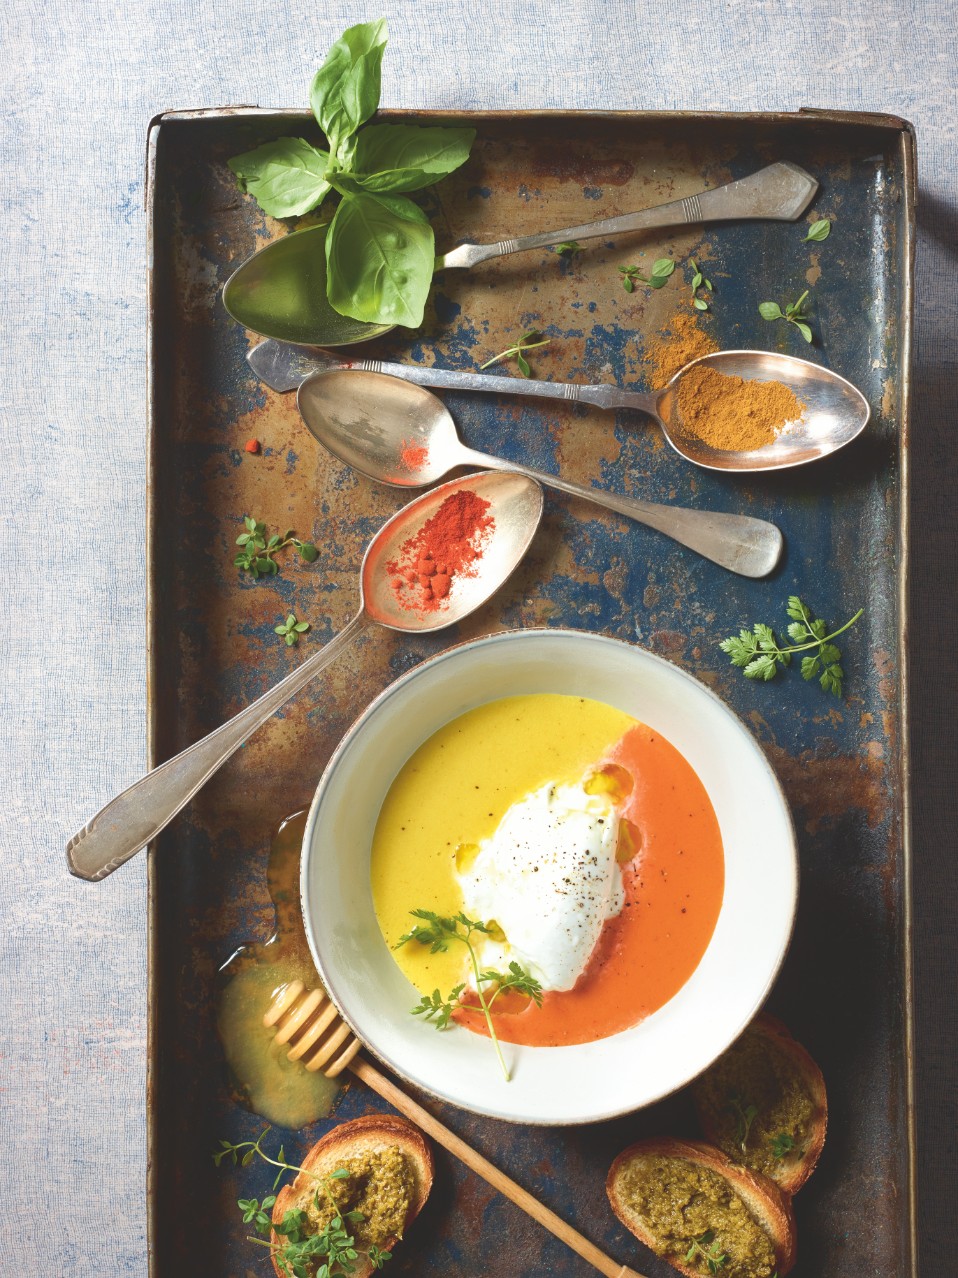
681,342
732,414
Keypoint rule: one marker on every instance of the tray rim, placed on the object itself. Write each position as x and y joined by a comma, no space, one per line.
813,115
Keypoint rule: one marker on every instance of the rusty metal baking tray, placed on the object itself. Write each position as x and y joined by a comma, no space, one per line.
846,986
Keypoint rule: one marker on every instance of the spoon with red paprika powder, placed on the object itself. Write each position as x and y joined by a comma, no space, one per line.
403,435
436,561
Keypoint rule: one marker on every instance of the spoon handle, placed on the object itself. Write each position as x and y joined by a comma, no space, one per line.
283,367
129,822
779,192
747,546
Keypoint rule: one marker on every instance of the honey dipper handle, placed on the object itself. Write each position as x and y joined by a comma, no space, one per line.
482,1167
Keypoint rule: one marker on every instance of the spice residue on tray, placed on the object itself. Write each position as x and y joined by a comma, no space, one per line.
732,414
447,546
681,342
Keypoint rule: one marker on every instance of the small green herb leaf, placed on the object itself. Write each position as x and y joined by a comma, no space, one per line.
782,1144
794,313
404,157
770,311
569,248
819,231
345,90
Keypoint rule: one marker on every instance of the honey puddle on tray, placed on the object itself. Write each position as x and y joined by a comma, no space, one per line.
284,1092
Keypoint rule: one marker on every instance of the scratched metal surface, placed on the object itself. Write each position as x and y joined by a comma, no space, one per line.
213,647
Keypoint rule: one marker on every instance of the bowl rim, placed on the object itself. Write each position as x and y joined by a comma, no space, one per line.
393,688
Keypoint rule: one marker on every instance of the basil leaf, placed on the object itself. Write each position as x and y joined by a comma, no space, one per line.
380,254
345,89
405,157
285,177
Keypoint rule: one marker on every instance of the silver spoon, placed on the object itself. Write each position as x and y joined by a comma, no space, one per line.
836,412
281,290
402,434
136,816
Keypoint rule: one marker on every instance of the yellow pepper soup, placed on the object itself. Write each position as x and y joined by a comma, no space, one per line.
614,817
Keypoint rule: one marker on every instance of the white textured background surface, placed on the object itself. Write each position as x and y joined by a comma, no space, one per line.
79,83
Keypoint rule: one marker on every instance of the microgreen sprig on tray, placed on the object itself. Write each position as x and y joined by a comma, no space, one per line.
699,282
257,554
529,341
759,654
662,268
568,249
794,313
291,629
325,1253
438,932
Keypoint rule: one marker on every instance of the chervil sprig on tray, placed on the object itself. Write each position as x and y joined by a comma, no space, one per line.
325,1253
257,554
759,655
438,932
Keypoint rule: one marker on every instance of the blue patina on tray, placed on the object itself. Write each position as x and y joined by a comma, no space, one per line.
845,989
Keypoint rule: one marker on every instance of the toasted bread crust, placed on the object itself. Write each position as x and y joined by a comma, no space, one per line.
769,1207
791,1175
371,1132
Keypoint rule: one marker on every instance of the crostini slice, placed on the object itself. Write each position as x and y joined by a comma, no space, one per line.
763,1103
701,1212
390,1170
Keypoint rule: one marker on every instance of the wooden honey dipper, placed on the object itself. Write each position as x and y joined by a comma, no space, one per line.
309,1021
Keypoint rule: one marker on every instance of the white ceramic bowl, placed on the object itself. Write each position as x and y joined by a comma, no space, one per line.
590,1081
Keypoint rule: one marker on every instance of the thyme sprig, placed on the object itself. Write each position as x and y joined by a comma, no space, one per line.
529,341
744,1115
326,1253
438,932
705,1247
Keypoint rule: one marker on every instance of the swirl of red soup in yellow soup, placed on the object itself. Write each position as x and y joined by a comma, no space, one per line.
579,836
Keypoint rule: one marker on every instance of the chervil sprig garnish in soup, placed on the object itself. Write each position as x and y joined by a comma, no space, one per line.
579,838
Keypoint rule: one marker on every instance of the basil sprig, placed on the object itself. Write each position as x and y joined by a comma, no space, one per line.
380,248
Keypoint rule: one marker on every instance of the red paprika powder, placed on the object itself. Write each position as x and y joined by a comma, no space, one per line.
446,546
414,456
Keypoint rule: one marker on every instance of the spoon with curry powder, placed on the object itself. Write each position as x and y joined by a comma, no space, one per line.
404,435
496,517
831,411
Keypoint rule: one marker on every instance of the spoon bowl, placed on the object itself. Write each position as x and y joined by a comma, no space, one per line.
836,412
515,504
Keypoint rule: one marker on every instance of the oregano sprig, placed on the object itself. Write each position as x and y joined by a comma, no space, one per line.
257,554
794,313
759,654
438,932
744,1115
529,341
